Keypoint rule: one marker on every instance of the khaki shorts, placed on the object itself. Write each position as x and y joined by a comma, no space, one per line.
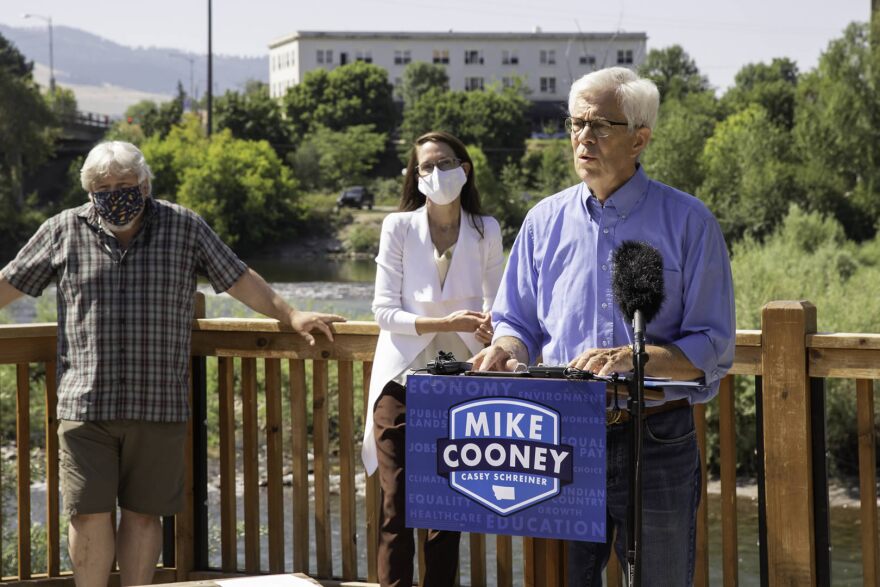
140,463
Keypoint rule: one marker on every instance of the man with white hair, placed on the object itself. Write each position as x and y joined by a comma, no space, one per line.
125,266
555,303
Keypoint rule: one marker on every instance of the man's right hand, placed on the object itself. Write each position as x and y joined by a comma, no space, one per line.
494,358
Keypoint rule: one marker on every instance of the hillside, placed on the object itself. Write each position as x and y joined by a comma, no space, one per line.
106,75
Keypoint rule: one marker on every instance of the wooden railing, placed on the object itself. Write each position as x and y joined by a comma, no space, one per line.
270,400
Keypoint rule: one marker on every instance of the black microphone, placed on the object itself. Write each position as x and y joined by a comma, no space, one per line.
637,282
637,285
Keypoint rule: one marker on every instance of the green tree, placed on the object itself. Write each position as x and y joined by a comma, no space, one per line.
494,120
418,78
773,86
27,129
301,102
354,94
183,147
436,109
153,118
548,166
749,174
807,257
683,127
320,163
240,187
505,197
252,115
242,190
837,131
62,103
674,71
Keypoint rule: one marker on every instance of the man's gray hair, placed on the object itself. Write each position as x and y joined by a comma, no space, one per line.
637,97
113,159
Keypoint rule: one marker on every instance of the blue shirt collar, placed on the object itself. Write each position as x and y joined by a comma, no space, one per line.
624,198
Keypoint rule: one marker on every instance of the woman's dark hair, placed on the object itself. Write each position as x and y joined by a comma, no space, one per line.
412,199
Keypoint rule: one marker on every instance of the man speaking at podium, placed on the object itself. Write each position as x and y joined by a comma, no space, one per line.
555,304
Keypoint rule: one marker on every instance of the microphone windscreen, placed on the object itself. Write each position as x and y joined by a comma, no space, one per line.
637,281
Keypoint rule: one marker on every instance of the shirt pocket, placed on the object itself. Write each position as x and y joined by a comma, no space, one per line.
85,279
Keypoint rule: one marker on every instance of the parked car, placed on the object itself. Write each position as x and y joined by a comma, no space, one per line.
355,197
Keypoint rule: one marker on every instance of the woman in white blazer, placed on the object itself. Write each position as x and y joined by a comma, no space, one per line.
438,270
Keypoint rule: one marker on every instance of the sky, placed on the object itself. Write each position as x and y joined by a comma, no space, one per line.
721,37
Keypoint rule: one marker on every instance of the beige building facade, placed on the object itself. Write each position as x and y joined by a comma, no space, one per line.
546,62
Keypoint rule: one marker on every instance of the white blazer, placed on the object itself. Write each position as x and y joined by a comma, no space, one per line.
408,286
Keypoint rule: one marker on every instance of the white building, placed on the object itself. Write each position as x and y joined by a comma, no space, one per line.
548,62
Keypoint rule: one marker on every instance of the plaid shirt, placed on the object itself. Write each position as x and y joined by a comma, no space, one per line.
124,315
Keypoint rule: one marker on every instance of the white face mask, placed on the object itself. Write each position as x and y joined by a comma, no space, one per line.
443,187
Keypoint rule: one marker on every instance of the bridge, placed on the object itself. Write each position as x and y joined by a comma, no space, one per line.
79,133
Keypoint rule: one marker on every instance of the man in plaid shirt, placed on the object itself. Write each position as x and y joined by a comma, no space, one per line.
125,266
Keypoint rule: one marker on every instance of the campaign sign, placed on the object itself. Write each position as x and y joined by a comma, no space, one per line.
506,455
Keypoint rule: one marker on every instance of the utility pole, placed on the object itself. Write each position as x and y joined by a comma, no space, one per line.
48,21
192,61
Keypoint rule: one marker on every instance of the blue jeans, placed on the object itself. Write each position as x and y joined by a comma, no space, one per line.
671,484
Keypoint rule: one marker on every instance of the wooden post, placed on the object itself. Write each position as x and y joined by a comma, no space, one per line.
373,500
184,539
549,562
228,505
299,447
251,470
274,465
347,505
321,447
23,461
727,440
504,560
791,551
868,482
701,564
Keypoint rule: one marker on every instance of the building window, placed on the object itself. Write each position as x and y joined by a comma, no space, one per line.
441,56
588,60
473,57
548,56
291,59
624,56
402,57
473,83
365,56
548,85
509,58
506,82
325,56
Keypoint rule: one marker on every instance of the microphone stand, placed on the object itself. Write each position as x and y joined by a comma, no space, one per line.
636,405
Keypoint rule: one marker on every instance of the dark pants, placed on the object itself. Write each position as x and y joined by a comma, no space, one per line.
670,495
396,545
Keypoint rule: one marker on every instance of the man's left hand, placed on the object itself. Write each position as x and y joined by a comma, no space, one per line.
604,361
305,322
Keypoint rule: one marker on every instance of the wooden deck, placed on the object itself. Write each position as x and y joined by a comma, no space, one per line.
273,401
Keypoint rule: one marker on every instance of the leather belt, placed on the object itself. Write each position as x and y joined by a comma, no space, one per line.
617,417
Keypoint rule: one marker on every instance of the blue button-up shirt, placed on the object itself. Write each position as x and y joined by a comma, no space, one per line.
556,292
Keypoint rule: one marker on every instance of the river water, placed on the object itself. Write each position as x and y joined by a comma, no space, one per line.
346,287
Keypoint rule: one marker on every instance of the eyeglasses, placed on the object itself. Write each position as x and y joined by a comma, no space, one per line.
426,169
601,128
